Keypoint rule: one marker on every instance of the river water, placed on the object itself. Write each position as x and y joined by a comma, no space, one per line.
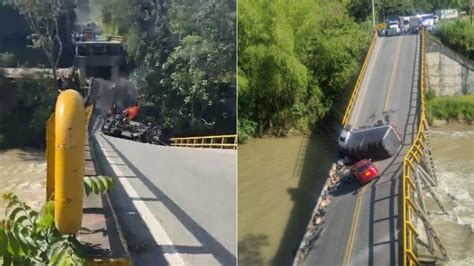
279,182
281,178
23,172
453,152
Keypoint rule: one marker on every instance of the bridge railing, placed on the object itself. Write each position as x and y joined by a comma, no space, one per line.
213,142
356,90
410,162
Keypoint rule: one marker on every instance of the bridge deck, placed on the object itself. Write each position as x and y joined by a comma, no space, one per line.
362,223
176,205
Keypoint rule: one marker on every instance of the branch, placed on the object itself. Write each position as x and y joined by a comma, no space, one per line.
58,39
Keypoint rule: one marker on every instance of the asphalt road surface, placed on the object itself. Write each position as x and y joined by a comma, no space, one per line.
362,224
176,206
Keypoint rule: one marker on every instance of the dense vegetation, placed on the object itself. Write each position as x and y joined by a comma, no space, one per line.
296,60
459,35
184,56
7,60
29,237
25,106
451,108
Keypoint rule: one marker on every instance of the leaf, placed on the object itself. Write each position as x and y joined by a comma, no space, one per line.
7,260
13,247
3,242
11,216
94,185
20,220
58,254
54,250
87,186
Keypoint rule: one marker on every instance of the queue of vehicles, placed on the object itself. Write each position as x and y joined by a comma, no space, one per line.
398,25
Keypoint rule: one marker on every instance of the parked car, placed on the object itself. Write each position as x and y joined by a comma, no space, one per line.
365,171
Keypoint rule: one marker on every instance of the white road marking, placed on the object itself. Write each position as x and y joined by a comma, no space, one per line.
154,226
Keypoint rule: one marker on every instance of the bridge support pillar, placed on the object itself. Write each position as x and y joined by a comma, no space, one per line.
114,73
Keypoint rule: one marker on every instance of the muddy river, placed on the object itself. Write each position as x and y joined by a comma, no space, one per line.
23,172
453,151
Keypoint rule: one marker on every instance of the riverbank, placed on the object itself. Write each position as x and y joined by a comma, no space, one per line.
450,110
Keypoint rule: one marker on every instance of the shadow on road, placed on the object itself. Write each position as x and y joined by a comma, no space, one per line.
315,162
392,174
208,242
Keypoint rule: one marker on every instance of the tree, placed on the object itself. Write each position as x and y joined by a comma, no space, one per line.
296,60
43,18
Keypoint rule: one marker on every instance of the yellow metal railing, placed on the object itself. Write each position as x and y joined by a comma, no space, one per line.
116,38
356,90
215,142
410,161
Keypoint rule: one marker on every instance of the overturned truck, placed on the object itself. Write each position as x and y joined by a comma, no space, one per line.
376,143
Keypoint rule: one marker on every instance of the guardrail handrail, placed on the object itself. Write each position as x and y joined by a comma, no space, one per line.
356,90
216,142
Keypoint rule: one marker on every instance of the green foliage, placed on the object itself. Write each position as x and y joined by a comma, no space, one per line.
451,108
30,238
25,106
247,129
459,35
430,95
43,18
296,59
7,60
97,184
184,54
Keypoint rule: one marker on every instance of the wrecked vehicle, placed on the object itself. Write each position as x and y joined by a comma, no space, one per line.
365,171
376,143
117,125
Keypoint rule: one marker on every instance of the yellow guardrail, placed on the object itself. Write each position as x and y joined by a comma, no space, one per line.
356,90
410,161
215,142
116,38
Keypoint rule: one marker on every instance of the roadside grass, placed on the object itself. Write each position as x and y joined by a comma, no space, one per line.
451,108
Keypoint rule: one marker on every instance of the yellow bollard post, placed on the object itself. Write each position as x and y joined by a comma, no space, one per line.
70,129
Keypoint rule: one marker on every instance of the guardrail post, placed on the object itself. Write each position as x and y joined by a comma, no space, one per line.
70,130
50,157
